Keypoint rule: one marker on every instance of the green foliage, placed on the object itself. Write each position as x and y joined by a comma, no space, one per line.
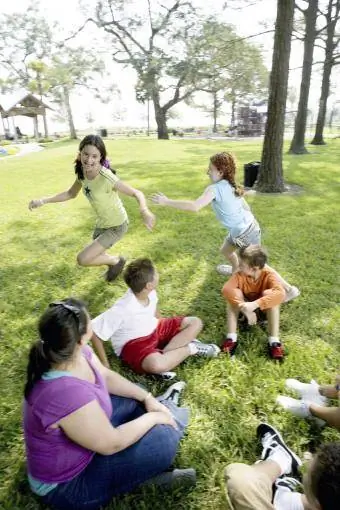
227,399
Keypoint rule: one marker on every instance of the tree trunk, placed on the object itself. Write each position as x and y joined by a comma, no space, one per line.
72,129
215,111
160,115
271,173
298,142
233,108
326,74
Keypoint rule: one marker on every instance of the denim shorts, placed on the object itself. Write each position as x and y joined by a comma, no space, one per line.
107,237
252,235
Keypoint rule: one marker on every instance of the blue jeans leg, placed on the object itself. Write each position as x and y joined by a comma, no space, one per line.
110,475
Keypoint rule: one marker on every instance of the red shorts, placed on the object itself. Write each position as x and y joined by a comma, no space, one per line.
136,350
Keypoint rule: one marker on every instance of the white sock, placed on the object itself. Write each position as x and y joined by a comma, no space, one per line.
232,336
282,458
273,339
285,499
192,348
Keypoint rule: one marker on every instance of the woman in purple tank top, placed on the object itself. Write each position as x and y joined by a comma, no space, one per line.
91,434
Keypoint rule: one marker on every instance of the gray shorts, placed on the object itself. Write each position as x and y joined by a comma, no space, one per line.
107,237
252,235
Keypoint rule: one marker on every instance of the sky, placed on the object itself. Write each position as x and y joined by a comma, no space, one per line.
255,18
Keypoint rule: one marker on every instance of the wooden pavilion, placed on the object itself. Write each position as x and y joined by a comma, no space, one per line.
22,103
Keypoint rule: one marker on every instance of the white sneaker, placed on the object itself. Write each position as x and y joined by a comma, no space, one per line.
299,408
207,350
291,294
167,376
174,391
307,391
224,270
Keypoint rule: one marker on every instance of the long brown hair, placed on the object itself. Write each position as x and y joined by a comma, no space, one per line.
226,164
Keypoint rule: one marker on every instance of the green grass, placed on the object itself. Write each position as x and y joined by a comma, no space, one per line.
227,399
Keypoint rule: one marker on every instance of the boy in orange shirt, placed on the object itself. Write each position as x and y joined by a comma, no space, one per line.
254,286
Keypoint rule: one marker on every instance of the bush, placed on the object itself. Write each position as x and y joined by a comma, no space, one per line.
45,140
6,142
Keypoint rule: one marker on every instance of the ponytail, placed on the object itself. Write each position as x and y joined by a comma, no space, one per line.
226,164
37,365
61,328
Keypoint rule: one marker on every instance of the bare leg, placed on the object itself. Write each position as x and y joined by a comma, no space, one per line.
273,315
269,468
232,318
94,255
229,251
190,328
331,415
157,363
329,391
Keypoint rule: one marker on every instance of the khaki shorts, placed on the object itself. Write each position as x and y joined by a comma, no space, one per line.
252,235
248,489
107,237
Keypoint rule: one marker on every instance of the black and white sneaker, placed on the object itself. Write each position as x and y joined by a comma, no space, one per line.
271,441
174,391
283,485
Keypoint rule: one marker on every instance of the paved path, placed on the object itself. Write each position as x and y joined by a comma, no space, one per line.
24,148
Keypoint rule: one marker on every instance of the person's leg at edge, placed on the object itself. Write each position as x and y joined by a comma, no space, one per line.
331,415
110,475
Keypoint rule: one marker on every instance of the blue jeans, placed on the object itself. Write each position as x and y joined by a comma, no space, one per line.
110,475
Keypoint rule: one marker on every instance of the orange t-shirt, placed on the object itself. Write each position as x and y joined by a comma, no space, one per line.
253,289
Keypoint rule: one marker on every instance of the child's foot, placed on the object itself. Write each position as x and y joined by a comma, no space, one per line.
291,294
224,270
229,346
276,351
207,350
307,391
113,271
174,391
299,408
167,376
274,448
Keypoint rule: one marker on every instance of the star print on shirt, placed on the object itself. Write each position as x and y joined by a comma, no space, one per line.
87,192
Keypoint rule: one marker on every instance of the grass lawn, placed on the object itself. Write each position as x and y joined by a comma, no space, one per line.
227,399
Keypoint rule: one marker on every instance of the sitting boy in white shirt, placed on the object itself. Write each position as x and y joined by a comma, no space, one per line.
143,340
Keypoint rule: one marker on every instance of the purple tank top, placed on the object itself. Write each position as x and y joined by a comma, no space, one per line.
51,456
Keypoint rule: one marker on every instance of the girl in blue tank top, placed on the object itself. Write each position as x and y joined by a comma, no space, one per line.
231,209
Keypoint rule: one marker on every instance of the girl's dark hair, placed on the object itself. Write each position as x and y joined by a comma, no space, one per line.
226,164
97,142
60,329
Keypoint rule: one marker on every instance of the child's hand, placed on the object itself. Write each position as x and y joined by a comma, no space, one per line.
159,198
149,219
35,203
153,405
248,307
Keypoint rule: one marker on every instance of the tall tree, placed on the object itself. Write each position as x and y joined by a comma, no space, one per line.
153,40
332,57
71,69
297,145
227,67
271,173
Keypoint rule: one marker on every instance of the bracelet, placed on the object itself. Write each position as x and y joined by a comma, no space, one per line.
147,396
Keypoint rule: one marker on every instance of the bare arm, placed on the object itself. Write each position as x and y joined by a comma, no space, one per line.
90,427
185,205
148,218
99,348
72,192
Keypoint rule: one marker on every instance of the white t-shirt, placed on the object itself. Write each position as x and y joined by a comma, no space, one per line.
126,320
